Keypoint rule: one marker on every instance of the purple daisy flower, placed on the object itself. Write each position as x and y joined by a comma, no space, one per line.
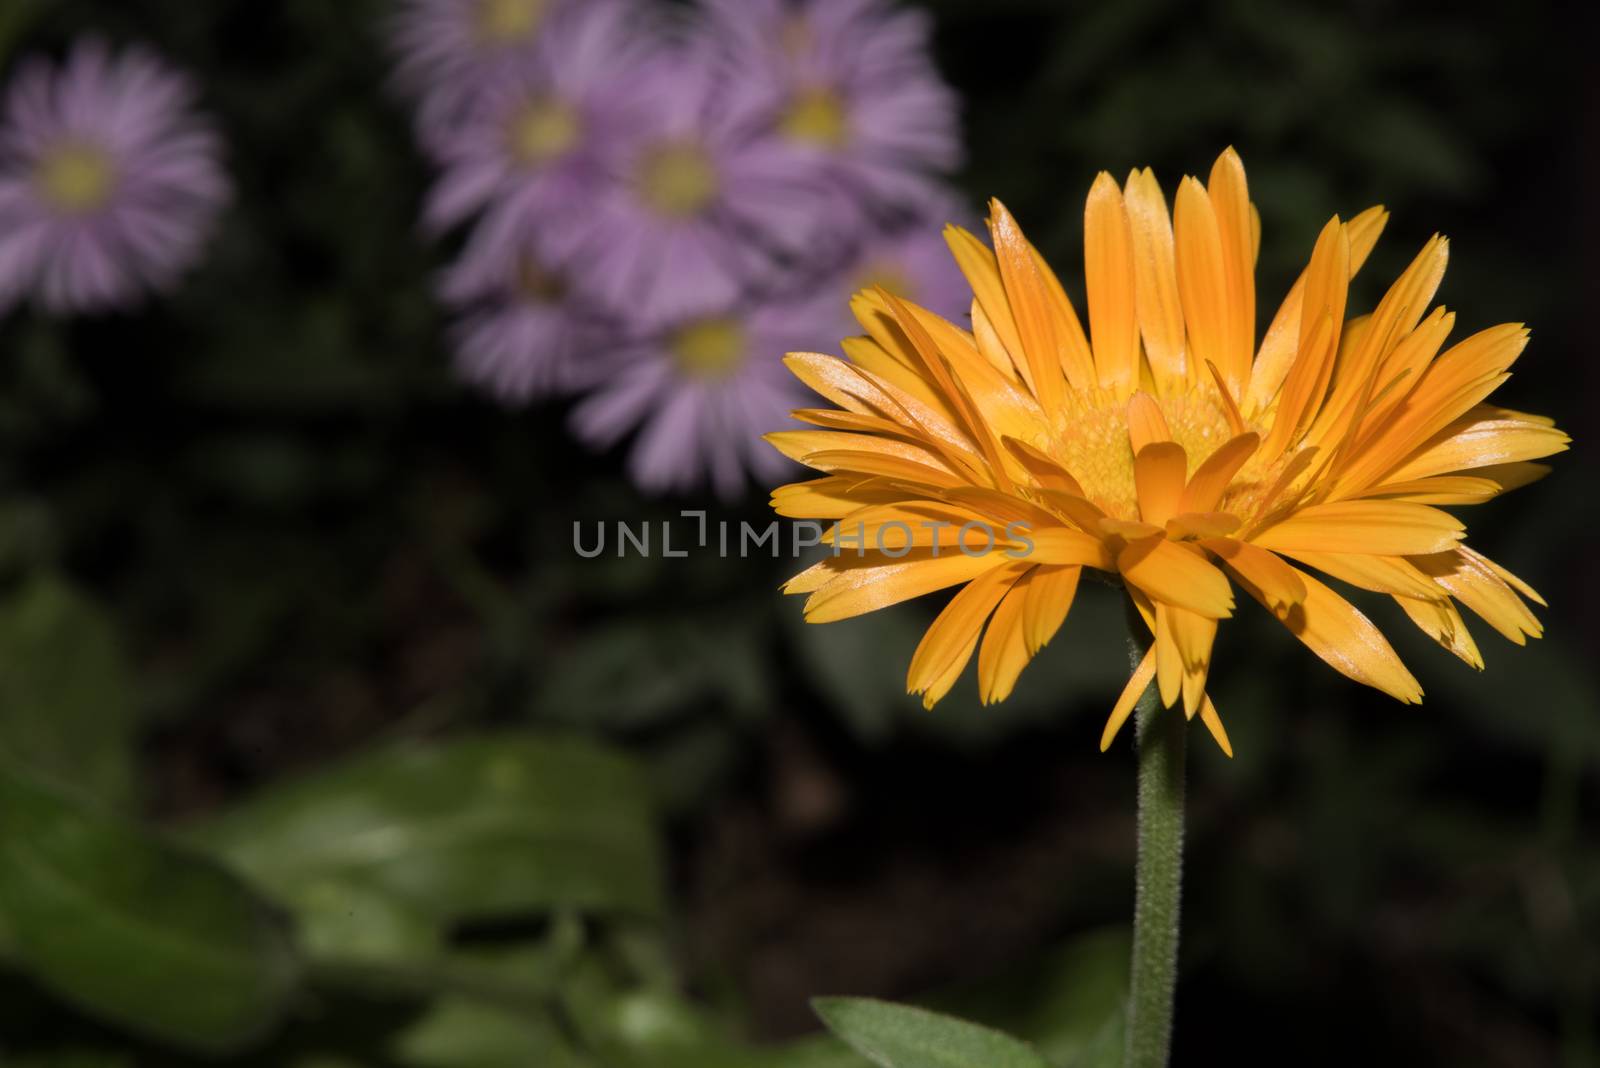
447,51
531,146
849,84
110,182
702,395
521,336
697,211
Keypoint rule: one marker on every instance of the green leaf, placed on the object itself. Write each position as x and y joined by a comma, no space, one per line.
1063,1002
639,674
463,1034
64,707
900,1036
134,929
343,920
483,827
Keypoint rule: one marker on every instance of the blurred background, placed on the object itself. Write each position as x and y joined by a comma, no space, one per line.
321,747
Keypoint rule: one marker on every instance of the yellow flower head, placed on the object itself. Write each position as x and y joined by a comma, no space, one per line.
1173,450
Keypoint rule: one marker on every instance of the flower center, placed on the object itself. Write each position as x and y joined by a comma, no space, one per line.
818,117
508,21
1092,443
542,130
677,179
76,179
710,348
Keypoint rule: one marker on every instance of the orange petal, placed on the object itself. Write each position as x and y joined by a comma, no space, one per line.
1156,278
1386,528
1202,275
949,643
1213,722
857,587
1230,199
1043,467
1063,547
1441,621
1076,360
1332,628
1281,343
1202,525
1470,579
1146,424
1169,664
1159,472
1005,647
1212,478
1327,285
1051,591
1481,442
1030,306
1194,636
1392,575
1169,572
1137,684
829,498
982,271
1274,583
1109,273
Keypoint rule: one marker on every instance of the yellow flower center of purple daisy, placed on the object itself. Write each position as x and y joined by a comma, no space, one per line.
818,117
76,178
544,129
677,179
710,348
509,21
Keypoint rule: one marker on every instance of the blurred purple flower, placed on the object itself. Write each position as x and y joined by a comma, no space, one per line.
849,84
697,211
521,336
449,51
702,395
914,263
530,149
110,182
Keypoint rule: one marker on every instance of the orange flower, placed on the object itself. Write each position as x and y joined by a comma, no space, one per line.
1173,451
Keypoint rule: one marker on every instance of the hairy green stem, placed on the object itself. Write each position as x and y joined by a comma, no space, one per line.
1159,880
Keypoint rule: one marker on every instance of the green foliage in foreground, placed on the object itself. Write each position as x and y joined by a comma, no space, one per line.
274,930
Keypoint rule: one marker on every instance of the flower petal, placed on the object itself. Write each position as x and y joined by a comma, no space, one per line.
1169,572
1213,722
1005,646
1051,591
1387,528
1156,279
1159,471
856,586
1470,579
1109,274
948,645
1029,301
1345,639
1138,682
1212,478
1274,583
